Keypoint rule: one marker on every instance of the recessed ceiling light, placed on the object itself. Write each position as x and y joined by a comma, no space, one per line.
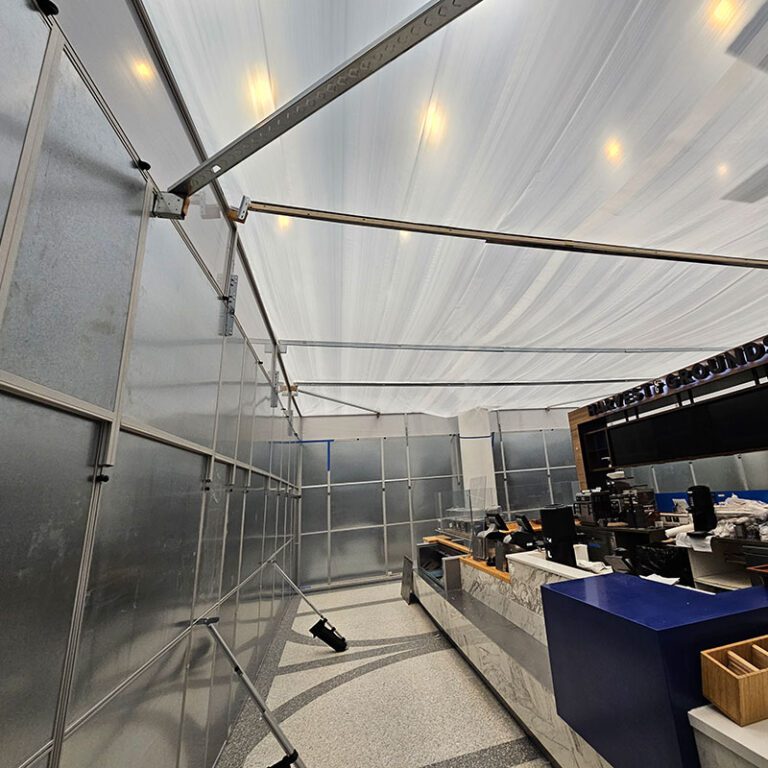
143,70
613,151
433,123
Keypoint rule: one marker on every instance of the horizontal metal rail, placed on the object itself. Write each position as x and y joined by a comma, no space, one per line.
483,348
417,27
508,238
563,383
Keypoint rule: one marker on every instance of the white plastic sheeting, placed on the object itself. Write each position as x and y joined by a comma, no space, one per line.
623,121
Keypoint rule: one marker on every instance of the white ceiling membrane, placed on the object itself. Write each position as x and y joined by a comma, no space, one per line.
622,121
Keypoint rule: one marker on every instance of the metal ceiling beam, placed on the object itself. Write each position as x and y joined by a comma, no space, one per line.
481,348
298,391
567,382
398,40
507,238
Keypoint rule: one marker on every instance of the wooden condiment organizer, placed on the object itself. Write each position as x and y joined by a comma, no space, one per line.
735,679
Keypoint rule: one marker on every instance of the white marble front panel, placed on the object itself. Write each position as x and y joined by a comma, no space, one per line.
530,701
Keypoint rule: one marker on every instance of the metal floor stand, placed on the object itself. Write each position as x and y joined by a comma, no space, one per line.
323,629
291,755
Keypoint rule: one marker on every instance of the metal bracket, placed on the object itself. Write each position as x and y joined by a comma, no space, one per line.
240,214
169,206
229,306
274,379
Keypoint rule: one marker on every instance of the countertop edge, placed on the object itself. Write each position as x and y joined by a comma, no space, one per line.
741,741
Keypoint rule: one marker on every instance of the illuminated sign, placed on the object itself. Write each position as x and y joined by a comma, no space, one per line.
746,356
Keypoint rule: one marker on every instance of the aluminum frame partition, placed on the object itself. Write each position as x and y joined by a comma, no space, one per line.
416,518
508,474
113,422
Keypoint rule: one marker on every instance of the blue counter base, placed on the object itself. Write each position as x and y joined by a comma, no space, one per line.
624,654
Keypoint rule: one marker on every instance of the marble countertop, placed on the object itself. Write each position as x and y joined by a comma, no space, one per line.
539,561
749,742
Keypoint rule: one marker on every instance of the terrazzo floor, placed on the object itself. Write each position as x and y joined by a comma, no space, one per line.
400,697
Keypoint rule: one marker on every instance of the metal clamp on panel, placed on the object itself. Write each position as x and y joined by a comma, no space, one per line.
229,306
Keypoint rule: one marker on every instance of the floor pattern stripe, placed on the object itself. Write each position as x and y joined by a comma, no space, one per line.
405,701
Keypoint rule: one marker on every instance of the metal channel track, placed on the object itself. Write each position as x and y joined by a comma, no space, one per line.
378,54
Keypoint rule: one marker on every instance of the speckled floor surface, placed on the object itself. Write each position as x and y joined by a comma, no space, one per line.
400,697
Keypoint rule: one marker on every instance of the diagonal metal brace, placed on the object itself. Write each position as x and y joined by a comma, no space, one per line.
378,54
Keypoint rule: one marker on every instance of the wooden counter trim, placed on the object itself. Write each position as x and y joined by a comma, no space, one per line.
481,566
445,541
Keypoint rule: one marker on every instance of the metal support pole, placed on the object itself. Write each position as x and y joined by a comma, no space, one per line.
543,383
292,756
507,238
298,591
498,348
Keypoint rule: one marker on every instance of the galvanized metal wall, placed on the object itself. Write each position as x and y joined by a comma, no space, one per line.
148,469
366,501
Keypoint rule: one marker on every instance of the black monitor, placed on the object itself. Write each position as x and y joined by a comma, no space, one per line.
524,523
494,518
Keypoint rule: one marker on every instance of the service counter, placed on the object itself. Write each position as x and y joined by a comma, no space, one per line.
496,621
601,670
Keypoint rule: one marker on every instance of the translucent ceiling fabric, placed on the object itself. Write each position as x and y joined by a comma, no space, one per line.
621,121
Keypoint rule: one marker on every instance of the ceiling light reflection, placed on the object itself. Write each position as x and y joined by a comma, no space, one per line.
261,93
433,123
723,170
143,70
614,152
405,236
283,222
723,12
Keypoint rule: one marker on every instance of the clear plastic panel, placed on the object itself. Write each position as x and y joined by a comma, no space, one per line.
398,545
314,458
65,320
528,490
353,506
674,476
559,447
44,470
395,459
314,510
355,460
355,554
118,735
396,495
430,456
230,390
23,36
314,558
430,498
214,520
173,374
524,450
143,572
720,473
